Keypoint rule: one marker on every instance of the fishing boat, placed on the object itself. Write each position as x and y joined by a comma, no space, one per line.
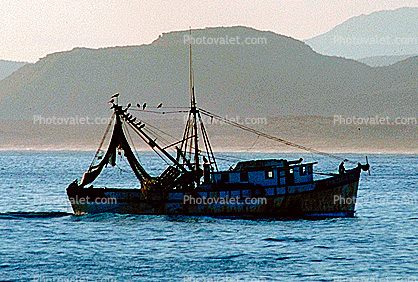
192,183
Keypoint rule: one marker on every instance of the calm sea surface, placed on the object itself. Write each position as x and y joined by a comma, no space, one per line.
40,240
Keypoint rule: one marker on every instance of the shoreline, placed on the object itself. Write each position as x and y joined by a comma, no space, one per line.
228,150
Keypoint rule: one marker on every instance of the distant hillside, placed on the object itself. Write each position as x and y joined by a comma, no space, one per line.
8,67
282,77
405,74
383,33
382,61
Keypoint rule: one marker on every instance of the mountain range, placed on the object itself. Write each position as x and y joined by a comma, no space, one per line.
383,61
8,67
282,77
277,77
382,33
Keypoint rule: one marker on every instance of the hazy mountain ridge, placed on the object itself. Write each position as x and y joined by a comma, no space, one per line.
284,76
281,78
382,33
383,61
8,67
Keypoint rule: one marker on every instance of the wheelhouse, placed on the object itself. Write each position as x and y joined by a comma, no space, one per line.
266,173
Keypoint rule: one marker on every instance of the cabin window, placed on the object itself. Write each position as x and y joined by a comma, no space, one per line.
243,176
269,174
309,169
225,177
302,170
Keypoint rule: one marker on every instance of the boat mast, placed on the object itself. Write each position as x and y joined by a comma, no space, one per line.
193,108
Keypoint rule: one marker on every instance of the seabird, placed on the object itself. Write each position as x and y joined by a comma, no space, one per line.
144,106
159,105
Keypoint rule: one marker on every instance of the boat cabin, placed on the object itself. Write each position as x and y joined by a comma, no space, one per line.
266,173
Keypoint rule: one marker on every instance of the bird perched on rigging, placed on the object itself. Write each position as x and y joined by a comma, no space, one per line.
138,105
159,105
144,106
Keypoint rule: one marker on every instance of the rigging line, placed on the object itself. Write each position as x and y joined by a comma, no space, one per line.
183,146
185,134
258,136
175,143
191,125
157,129
147,142
159,154
161,109
103,139
158,112
206,140
184,108
122,169
154,133
223,156
164,141
125,129
265,135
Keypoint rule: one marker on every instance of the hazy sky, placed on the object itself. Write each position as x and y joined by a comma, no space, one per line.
30,29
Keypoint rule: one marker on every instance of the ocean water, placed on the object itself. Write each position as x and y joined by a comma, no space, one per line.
40,239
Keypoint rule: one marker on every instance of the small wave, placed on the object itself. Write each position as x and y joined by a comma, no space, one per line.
19,215
287,239
323,247
156,239
226,257
316,260
338,258
231,256
282,258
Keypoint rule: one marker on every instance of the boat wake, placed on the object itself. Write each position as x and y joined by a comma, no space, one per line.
22,215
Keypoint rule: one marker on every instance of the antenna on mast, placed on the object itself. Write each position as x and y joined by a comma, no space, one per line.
193,109
192,95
